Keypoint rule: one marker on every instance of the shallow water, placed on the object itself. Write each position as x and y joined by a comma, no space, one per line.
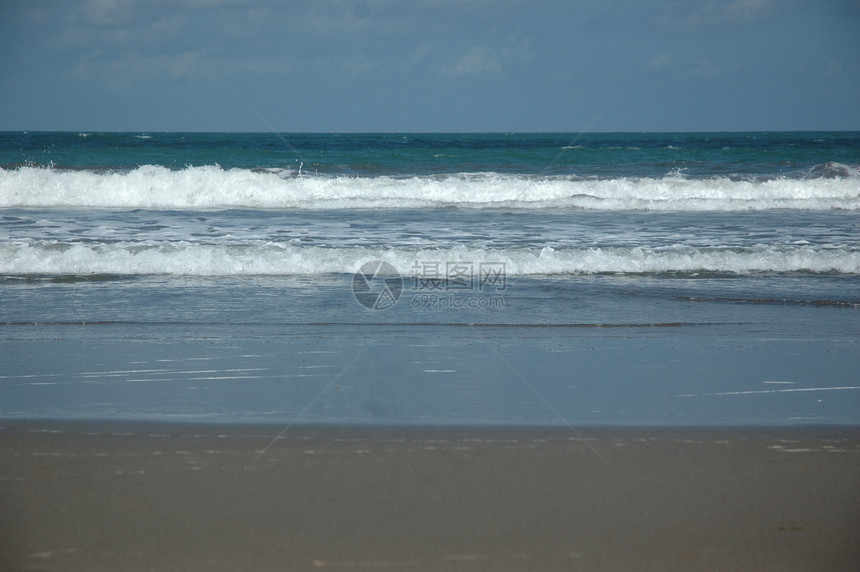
586,350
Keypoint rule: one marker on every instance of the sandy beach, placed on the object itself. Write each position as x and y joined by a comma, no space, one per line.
133,496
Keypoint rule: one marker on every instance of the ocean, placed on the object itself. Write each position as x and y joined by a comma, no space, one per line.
431,279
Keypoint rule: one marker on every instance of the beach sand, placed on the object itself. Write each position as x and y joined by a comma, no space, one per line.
137,496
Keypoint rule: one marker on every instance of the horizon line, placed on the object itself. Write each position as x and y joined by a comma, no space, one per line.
501,132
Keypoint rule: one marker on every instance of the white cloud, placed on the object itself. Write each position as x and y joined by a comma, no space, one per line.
748,6
478,60
142,67
107,12
833,69
694,17
518,49
660,62
135,68
709,69
359,66
705,68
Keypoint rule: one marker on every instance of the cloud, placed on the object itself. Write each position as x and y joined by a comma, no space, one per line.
136,68
702,67
518,49
709,69
747,7
107,12
833,69
478,60
695,17
359,66
660,62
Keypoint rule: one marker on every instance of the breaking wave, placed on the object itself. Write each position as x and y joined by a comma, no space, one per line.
270,258
831,186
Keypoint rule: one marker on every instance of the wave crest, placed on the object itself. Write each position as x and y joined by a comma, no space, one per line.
271,258
211,187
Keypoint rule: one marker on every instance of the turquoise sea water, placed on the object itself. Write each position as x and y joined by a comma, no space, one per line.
563,279
608,155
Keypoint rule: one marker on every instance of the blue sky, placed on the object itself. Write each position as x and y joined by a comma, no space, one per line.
429,65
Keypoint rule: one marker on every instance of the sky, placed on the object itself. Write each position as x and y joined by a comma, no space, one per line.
429,65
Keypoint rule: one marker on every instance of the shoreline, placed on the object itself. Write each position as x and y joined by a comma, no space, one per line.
304,430
107,495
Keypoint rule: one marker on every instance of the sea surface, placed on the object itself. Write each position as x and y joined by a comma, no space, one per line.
410,279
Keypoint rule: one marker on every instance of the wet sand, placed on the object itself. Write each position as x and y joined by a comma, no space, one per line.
134,496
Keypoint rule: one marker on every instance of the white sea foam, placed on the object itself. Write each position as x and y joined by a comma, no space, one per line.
269,258
211,187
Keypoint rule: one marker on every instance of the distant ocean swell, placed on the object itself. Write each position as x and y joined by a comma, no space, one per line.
211,187
269,258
